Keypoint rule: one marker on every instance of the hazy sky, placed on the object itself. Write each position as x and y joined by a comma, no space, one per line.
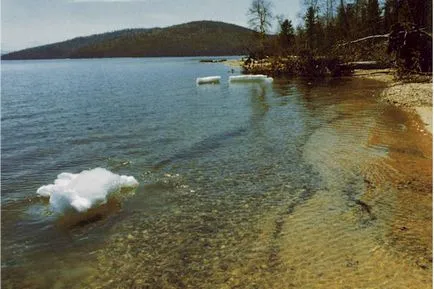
27,23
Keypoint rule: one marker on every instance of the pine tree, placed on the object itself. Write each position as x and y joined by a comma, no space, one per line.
286,35
310,21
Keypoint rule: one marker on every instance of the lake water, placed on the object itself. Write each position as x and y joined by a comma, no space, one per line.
294,184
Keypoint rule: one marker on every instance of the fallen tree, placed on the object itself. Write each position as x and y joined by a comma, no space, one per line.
363,65
405,47
371,37
410,46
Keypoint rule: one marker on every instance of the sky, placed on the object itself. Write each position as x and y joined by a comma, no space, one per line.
28,23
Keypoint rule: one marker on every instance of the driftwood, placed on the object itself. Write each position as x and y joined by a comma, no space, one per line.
363,65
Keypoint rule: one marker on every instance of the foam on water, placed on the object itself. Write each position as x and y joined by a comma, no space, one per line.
85,190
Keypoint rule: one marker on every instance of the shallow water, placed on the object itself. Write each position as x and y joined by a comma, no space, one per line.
294,184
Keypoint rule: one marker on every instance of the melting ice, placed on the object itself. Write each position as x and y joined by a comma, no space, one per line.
85,190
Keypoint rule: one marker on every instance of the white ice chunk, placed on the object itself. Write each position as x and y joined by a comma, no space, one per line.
208,79
247,78
85,190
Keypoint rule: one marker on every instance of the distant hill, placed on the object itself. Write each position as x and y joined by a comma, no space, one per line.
199,38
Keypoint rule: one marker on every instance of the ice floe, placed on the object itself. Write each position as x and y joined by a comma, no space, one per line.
88,189
208,80
250,78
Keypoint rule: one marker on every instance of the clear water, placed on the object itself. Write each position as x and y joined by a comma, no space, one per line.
233,178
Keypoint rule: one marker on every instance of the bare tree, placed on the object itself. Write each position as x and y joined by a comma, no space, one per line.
260,16
315,4
330,5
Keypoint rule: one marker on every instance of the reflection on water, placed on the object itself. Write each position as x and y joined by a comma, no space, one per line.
316,189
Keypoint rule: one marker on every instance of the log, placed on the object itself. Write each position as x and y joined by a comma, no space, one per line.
362,65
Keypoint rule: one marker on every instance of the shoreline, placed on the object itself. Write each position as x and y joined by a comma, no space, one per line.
233,63
411,96
415,96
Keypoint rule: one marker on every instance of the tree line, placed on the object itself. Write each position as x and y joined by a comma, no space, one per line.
389,31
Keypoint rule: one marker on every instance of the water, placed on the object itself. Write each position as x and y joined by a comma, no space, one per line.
291,184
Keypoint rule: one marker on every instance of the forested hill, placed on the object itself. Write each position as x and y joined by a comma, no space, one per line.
200,38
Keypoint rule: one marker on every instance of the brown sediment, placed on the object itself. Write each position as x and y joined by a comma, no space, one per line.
408,169
379,239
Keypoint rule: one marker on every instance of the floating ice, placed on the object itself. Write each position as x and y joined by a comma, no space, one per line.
250,78
85,190
269,79
208,79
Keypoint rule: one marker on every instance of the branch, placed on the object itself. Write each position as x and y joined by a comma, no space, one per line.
425,33
383,36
